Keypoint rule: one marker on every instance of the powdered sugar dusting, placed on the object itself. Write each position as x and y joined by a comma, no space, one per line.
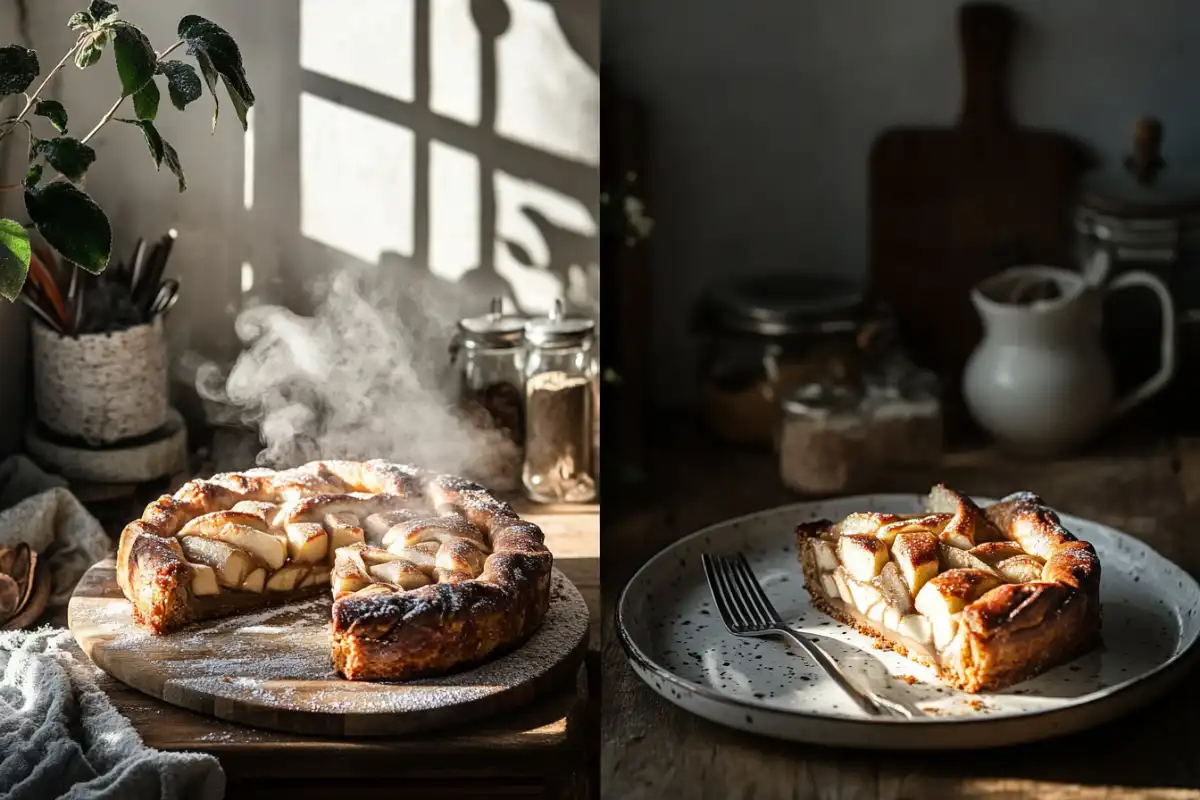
280,658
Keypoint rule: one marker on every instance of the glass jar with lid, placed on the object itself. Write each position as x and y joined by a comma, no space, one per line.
560,409
1143,213
489,358
761,337
825,444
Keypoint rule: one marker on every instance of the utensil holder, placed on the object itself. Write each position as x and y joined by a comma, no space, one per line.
101,387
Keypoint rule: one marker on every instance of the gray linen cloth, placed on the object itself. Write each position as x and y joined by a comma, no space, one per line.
59,734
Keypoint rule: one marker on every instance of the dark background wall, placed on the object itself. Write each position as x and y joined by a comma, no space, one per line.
764,110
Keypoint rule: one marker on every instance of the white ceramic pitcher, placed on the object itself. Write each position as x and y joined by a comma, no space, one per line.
1040,382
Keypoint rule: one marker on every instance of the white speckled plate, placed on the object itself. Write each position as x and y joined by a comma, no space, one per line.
678,645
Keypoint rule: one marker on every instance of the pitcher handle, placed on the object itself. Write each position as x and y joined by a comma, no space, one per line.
1166,369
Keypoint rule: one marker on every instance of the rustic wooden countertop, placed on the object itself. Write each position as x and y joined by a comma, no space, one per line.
651,749
547,749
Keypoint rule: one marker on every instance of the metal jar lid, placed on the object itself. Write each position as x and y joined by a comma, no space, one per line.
555,330
493,330
783,305
1144,186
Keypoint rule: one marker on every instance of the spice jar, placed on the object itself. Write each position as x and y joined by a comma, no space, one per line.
488,355
763,336
825,447
560,386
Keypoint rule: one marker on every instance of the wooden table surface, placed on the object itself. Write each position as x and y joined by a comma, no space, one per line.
547,749
651,749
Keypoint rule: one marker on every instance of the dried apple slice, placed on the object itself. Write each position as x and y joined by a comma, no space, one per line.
10,598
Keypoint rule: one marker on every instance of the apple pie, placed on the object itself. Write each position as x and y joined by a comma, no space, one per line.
429,572
986,597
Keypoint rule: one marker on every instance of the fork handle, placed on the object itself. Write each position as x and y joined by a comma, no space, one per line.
864,700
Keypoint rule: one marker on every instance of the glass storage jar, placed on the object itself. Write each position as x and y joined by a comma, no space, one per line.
1144,213
905,407
560,409
488,355
825,445
763,336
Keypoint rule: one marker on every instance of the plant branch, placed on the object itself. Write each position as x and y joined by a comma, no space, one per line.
32,98
168,51
108,116
104,120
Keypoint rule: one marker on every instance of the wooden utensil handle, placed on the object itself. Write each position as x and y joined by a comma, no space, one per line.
986,32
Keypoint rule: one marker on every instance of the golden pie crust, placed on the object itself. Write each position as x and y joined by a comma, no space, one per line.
429,572
1008,630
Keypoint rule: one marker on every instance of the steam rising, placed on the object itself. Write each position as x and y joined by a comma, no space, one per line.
358,380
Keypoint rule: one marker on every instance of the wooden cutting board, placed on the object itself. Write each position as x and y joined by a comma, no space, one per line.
951,206
271,669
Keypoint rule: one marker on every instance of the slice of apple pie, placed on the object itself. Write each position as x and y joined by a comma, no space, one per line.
986,597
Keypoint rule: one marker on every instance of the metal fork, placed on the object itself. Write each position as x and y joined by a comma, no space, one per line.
747,612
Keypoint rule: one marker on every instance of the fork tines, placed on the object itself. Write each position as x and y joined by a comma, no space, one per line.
740,598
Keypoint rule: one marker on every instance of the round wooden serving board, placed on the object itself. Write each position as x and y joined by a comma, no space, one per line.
271,668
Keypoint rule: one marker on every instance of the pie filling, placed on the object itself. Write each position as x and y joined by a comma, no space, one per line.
908,577
351,540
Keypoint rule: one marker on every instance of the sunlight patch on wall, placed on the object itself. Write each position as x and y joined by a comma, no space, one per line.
547,96
534,287
248,163
367,43
454,57
247,277
453,211
356,180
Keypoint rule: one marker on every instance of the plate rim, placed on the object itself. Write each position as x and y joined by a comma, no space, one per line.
1153,678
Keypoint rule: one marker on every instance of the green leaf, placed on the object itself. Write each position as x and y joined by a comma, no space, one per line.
210,77
18,67
222,52
34,145
34,175
240,106
53,111
183,84
145,101
101,11
153,140
71,223
160,149
80,20
14,258
135,56
172,160
90,51
69,156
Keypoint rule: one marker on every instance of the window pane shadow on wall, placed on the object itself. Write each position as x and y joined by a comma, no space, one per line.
453,145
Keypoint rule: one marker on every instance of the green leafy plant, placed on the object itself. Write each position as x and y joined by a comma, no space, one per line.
62,212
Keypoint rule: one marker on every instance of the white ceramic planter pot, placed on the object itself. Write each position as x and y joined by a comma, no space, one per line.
101,387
